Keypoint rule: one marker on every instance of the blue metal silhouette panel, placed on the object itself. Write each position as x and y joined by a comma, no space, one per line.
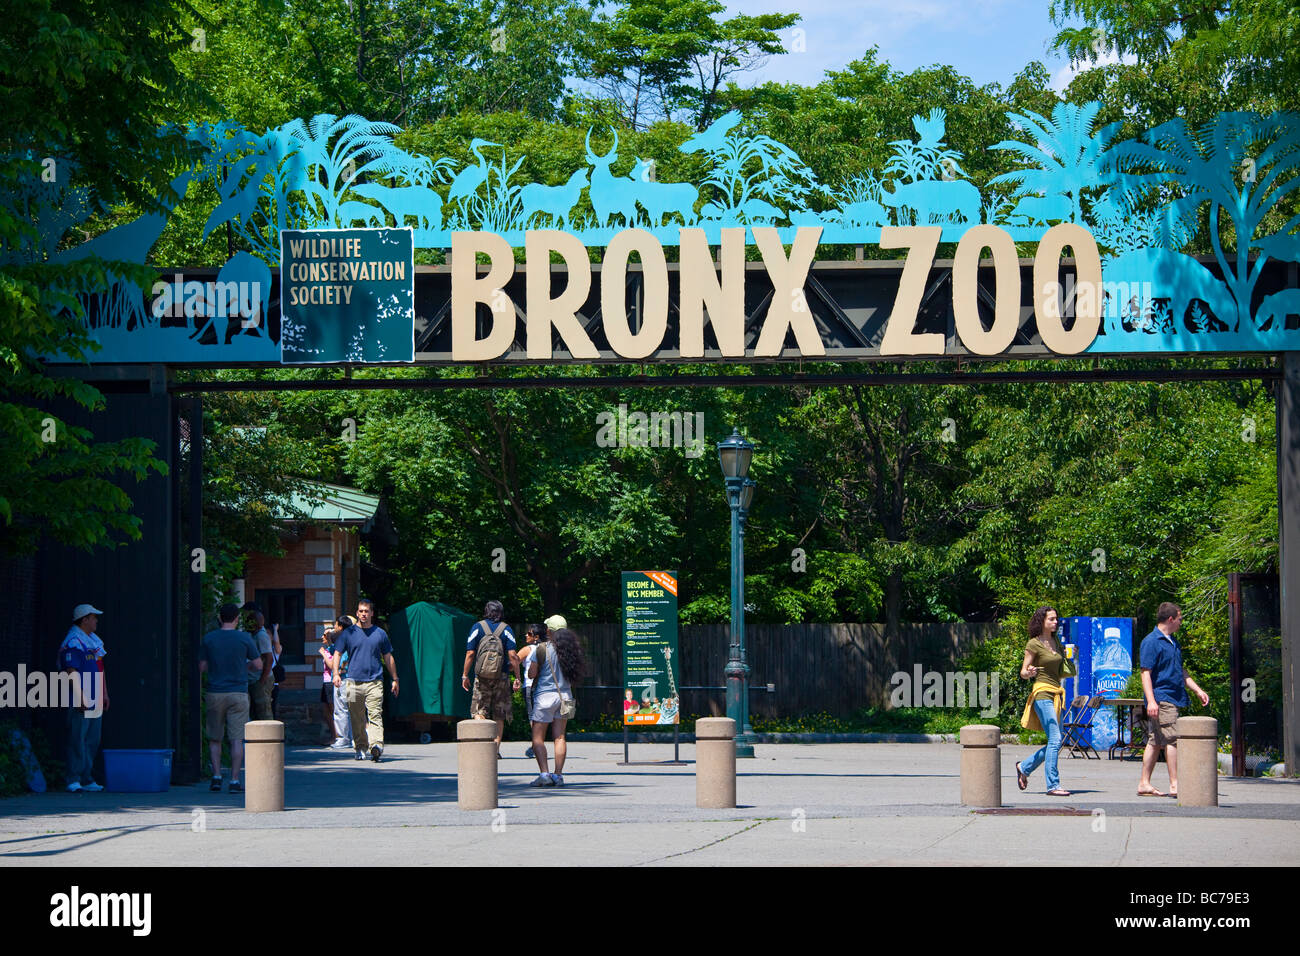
1142,199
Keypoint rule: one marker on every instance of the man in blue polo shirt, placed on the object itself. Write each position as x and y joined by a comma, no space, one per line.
369,651
1165,683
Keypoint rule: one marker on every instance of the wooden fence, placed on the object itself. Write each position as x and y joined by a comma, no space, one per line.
836,668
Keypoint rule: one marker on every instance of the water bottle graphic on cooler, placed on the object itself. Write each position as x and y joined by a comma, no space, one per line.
1111,667
1112,664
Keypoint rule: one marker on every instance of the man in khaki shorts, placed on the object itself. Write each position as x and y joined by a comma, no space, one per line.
1165,683
490,651
227,656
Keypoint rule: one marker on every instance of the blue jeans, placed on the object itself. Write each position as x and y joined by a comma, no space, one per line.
1046,711
83,744
342,720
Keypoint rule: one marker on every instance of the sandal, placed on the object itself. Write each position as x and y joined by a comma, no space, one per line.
1058,792
1022,778
1151,793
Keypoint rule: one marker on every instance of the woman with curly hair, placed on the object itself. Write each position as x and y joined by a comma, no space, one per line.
555,666
1043,664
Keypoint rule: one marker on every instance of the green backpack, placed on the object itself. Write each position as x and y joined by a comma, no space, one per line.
489,662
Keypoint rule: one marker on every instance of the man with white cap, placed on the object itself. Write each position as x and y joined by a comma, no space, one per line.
82,654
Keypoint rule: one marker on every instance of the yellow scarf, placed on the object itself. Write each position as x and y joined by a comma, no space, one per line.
1029,720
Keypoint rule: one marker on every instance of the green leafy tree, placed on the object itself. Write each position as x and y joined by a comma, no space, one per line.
658,59
87,89
1245,48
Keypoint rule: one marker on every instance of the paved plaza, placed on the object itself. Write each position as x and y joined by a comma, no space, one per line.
803,804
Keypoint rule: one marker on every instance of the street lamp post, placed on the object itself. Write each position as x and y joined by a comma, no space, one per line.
745,733
735,454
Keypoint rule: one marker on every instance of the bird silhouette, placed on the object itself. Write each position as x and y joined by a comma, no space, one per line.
469,179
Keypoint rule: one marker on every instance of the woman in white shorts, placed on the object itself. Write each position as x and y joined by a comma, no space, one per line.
557,657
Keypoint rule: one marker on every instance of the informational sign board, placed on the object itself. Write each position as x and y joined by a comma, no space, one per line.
650,696
347,295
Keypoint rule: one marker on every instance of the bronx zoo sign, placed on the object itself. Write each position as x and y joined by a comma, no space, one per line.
1081,248
723,295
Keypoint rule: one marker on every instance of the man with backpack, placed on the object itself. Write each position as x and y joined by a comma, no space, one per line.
490,649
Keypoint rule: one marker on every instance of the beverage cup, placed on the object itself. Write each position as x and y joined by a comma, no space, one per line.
1069,652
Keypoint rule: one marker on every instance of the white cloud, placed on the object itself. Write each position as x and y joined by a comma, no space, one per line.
1066,74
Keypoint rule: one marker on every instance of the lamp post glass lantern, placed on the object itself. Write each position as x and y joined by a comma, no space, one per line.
735,455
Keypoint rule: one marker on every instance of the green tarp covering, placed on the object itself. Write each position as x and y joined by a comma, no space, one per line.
429,644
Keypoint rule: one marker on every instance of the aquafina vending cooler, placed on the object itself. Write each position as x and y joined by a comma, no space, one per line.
1104,647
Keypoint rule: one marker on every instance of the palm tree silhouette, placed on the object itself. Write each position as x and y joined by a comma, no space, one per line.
1071,157
1242,165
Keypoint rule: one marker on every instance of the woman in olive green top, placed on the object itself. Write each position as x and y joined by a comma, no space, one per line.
1042,664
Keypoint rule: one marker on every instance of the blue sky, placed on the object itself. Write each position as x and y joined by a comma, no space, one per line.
987,40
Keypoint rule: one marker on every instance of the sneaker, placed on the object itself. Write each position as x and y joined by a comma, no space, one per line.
557,779
215,785
359,755
74,787
236,787
542,780
341,745
529,753
92,787
376,752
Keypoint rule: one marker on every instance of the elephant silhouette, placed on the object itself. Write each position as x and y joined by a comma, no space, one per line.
352,212
1145,275
1276,308
241,298
415,202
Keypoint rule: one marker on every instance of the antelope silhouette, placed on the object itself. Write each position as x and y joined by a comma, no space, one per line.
610,195
554,201
660,199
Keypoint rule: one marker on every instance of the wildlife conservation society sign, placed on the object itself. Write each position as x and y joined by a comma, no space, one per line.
650,648
347,295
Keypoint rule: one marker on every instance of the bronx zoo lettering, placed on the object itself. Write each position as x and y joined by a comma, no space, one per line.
723,295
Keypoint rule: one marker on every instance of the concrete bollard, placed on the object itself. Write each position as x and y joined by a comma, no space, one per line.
476,765
981,766
1198,761
715,763
263,766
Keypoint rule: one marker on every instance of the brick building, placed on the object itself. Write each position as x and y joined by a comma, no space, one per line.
316,579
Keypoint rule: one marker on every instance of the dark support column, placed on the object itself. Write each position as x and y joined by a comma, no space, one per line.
1288,490
194,584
